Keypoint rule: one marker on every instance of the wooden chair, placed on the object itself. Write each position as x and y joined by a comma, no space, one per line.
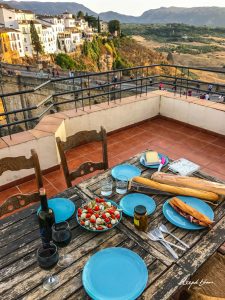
78,139
15,164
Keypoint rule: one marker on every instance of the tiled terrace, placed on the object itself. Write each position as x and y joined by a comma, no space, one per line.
167,136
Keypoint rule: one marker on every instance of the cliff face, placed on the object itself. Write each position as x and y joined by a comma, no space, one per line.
119,53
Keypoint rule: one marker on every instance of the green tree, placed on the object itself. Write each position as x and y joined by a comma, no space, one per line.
99,26
58,44
65,61
80,15
114,25
92,21
35,39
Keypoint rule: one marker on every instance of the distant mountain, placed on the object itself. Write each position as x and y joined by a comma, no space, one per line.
111,15
211,16
51,8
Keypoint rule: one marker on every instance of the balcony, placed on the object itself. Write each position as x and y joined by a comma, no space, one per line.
176,125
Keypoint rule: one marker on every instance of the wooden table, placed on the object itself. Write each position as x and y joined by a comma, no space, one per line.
203,242
21,277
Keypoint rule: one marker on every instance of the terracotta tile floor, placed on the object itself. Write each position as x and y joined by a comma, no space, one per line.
166,136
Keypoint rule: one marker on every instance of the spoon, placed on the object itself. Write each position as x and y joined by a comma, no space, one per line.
164,229
159,234
168,247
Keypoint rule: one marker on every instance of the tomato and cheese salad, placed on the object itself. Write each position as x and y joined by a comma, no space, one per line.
98,215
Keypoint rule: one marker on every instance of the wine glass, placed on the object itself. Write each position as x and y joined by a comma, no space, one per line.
61,236
47,256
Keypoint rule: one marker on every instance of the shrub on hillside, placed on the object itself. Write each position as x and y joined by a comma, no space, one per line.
64,61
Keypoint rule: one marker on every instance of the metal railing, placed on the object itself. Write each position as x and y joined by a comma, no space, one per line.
59,94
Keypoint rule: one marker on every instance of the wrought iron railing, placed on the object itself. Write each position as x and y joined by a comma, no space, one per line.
22,109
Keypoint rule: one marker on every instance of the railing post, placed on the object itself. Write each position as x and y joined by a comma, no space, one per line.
146,83
136,84
82,93
22,101
108,88
187,85
89,92
121,85
7,116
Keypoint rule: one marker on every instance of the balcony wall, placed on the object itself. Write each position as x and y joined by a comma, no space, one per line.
201,113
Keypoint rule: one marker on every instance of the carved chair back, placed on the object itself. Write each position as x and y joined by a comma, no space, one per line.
76,140
15,164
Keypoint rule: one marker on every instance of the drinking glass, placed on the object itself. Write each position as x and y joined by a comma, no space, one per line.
47,256
121,185
61,236
106,187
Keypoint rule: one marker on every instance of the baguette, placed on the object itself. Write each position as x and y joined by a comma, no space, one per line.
176,190
190,213
190,182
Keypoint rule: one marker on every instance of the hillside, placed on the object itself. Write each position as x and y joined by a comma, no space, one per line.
102,54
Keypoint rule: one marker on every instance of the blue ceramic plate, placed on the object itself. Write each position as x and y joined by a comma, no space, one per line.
115,274
142,161
126,170
173,217
113,203
128,203
63,208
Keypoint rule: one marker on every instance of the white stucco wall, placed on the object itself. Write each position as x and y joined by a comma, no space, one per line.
205,117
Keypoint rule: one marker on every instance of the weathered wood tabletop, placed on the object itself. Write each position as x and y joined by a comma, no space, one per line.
21,277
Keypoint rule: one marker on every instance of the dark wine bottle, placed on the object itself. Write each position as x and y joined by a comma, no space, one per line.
46,219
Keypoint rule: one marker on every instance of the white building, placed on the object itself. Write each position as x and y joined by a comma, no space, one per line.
49,40
8,16
69,21
69,40
51,27
104,26
82,25
11,17
24,28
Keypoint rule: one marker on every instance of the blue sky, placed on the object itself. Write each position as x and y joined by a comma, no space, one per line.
137,7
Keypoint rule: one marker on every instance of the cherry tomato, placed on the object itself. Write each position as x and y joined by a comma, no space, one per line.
96,208
118,217
90,210
109,225
103,216
97,216
88,215
113,216
82,223
99,228
79,210
107,220
92,220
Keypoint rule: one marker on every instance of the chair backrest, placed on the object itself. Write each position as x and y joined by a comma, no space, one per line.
78,139
15,164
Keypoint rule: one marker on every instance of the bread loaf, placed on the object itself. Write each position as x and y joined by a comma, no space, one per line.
176,190
190,182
